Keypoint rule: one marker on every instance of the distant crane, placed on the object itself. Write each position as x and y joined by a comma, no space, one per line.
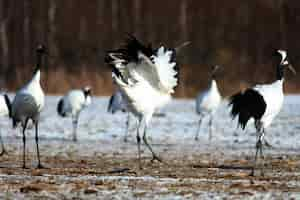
118,103
29,102
261,102
146,78
5,110
207,102
72,104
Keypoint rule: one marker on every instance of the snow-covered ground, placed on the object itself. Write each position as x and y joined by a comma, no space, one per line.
177,126
101,134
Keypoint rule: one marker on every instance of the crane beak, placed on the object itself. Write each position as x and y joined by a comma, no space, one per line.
292,68
179,47
217,68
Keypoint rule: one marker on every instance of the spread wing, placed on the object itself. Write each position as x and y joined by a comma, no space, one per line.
137,62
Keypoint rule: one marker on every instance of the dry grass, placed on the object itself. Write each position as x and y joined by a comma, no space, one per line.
193,78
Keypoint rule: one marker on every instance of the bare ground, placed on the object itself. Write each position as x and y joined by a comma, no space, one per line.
101,166
90,169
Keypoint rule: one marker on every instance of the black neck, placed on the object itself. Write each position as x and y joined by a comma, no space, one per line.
280,72
8,104
38,61
213,76
86,93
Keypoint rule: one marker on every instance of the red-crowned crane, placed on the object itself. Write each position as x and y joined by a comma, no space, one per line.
118,103
207,102
5,110
146,77
72,104
28,103
261,102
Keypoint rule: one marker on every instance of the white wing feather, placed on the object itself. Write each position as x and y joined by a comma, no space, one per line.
165,68
3,107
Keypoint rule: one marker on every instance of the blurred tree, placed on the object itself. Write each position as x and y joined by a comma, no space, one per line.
238,34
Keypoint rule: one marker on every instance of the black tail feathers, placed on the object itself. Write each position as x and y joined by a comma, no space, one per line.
246,105
60,108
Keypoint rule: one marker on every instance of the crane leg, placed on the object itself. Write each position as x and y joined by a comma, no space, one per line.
2,146
138,139
154,156
127,127
24,143
210,128
37,145
75,124
198,129
259,148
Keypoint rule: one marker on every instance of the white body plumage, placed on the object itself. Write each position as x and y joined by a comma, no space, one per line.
4,107
261,102
72,104
29,101
146,78
151,89
273,97
144,99
208,101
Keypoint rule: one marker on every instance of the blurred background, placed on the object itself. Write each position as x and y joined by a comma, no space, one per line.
240,35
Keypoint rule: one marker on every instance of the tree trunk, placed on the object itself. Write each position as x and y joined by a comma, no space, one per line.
115,19
282,24
184,37
137,18
52,44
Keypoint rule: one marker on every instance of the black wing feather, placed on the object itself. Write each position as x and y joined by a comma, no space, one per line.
247,104
127,53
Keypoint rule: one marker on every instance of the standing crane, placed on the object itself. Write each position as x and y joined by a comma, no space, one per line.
262,103
146,77
28,104
207,102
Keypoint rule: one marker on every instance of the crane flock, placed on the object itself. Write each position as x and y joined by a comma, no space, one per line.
146,78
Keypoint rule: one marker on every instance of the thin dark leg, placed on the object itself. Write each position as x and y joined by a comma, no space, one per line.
127,127
75,124
258,149
210,128
154,156
37,145
198,129
138,139
261,151
255,158
24,142
2,145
